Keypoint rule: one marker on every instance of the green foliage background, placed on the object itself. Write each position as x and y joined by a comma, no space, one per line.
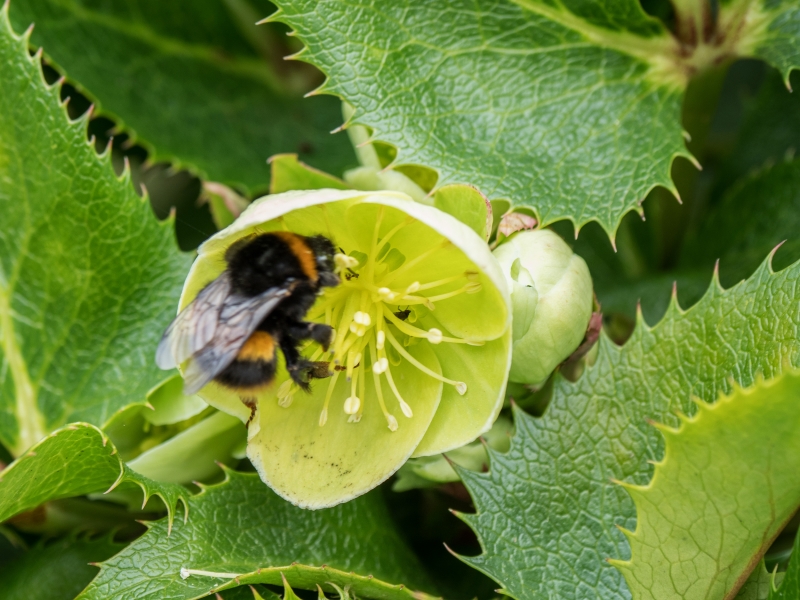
663,467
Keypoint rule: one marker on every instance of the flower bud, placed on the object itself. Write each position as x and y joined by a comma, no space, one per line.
551,297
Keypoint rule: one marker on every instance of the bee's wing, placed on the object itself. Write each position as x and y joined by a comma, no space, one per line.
237,320
195,325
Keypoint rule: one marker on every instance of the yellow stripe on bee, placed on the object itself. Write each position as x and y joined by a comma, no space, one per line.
259,346
304,254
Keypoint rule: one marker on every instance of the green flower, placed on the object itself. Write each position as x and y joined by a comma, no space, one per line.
551,295
417,384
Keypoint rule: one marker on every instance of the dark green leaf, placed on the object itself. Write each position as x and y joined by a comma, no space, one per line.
58,570
74,461
548,510
241,532
570,108
196,82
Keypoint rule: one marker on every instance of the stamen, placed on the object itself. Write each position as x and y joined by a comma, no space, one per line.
413,288
381,339
390,420
433,284
351,405
403,405
460,386
407,221
386,294
323,416
470,288
286,393
380,365
433,335
344,262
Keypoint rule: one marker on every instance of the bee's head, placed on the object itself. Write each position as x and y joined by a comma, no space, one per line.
324,251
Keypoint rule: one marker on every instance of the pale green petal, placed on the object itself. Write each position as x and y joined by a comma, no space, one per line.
466,204
316,467
461,419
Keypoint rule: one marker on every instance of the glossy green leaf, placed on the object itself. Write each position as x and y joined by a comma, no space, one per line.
723,491
197,83
239,532
514,100
88,276
75,461
547,510
56,570
769,29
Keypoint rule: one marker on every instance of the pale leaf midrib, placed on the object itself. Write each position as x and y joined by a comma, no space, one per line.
648,50
31,428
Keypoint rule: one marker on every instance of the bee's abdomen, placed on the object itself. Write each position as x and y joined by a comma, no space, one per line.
254,366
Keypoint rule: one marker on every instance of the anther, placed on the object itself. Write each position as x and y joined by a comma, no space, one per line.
362,318
392,422
381,341
414,287
323,416
343,261
386,294
461,388
405,408
351,405
380,365
435,336
473,287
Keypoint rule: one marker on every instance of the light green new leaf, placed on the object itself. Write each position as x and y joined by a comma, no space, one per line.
790,585
569,108
198,83
240,532
75,461
547,510
723,491
56,570
88,276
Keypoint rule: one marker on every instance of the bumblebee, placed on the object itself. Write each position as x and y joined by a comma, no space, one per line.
232,330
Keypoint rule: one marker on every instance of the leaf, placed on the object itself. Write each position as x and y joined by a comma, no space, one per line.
757,585
75,461
790,585
57,570
770,29
88,277
547,510
567,108
755,216
190,81
723,491
241,533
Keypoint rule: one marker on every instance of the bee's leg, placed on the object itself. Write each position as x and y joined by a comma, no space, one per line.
252,405
303,330
300,369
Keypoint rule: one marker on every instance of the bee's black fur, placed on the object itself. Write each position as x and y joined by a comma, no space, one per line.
265,261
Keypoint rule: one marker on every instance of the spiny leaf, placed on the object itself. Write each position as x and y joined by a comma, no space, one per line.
572,109
769,29
75,461
547,510
726,486
240,532
197,83
88,277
